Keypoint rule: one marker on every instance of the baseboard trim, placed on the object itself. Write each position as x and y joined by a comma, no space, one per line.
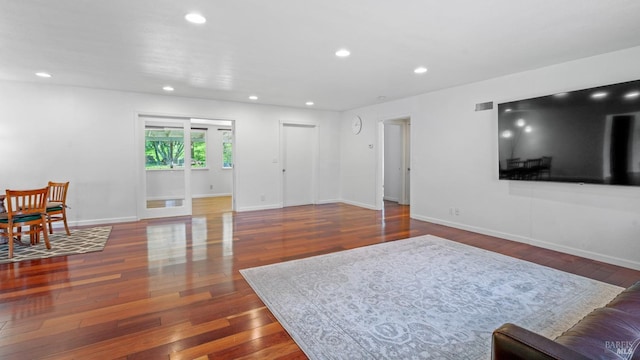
535,242
280,206
330,201
99,221
359,204
256,208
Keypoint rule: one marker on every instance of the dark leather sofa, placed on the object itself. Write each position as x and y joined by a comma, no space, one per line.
610,332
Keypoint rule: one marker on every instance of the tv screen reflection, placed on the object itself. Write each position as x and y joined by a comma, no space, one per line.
584,136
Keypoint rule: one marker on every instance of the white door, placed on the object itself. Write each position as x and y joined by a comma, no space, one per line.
298,164
165,167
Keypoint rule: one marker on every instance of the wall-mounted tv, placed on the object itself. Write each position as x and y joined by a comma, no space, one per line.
583,136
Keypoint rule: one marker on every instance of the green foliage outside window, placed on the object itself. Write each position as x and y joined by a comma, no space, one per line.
198,149
227,146
164,148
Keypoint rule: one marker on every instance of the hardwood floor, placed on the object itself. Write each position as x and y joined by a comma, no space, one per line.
171,288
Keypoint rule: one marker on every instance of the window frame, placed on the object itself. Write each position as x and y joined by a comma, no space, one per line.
182,167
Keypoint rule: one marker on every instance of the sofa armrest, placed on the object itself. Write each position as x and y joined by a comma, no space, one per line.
516,343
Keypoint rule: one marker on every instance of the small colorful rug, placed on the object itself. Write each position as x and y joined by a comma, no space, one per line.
79,242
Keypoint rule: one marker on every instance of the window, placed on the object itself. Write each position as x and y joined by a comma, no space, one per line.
198,148
164,148
227,149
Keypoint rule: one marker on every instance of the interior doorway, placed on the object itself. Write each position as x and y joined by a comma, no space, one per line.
299,160
182,158
395,161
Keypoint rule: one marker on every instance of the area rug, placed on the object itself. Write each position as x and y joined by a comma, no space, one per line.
79,242
419,298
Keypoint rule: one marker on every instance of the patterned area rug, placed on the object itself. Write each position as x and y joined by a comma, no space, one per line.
79,242
419,298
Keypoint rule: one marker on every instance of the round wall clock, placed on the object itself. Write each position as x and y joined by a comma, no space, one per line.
356,125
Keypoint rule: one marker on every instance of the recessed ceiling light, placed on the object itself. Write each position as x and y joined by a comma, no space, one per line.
420,70
520,122
195,18
309,103
562,94
507,134
343,53
168,88
43,74
508,110
253,97
632,95
599,95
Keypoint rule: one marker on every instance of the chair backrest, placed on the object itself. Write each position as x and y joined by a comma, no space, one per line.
546,162
514,163
532,163
26,202
58,192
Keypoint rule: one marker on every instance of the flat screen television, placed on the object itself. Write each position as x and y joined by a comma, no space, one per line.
583,136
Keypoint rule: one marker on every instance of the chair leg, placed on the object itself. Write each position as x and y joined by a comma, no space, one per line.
34,234
50,226
44,232
64,219
10,240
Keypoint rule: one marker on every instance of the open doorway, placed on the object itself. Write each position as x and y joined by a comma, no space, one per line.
213,186
182,159
395,162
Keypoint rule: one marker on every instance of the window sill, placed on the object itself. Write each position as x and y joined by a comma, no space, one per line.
177,169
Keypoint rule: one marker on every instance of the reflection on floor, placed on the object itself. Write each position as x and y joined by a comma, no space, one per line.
171,287
167,243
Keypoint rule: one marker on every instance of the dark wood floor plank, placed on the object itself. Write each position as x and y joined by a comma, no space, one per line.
171,288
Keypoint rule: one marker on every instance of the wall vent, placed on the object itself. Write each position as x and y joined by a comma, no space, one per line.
484,106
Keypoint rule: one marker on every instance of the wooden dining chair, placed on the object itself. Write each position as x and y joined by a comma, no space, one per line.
26,208
57,205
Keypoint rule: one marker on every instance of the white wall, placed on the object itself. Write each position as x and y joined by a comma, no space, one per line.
455,162
86,136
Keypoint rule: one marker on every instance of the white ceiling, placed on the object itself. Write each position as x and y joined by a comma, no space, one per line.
283,50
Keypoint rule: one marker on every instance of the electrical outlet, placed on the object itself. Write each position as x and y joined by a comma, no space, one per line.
457,211
262,197
210,187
